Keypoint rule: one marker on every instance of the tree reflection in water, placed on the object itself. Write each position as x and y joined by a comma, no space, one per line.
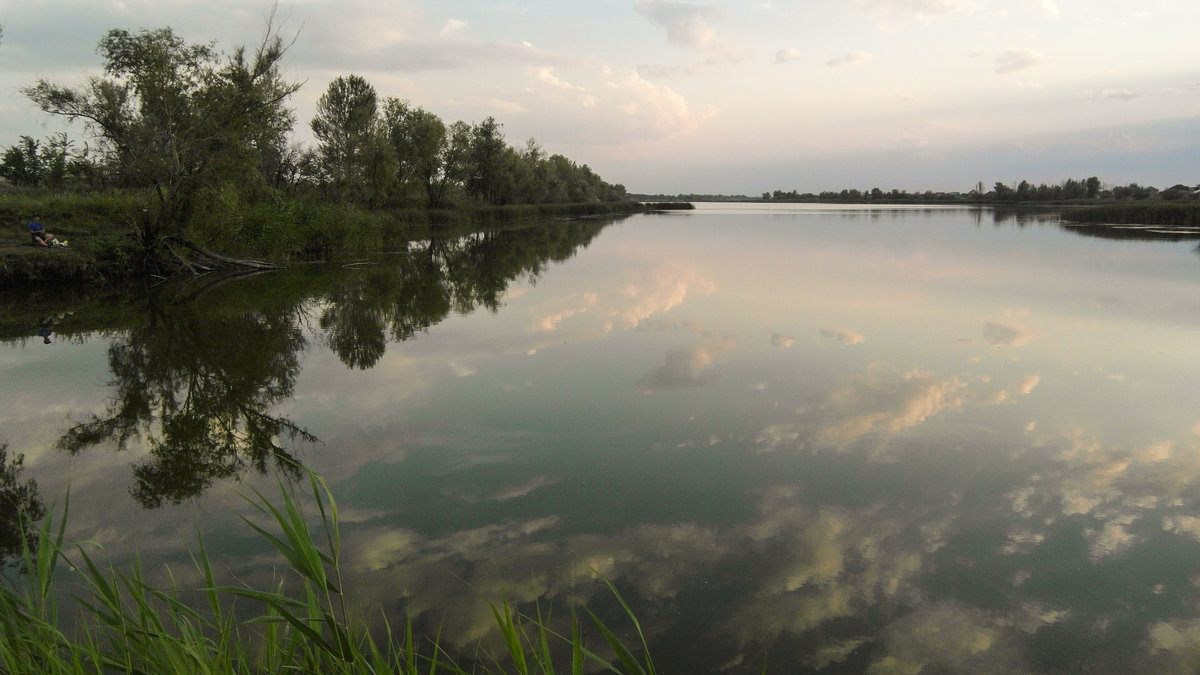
20,507
199,375
437,277
195,380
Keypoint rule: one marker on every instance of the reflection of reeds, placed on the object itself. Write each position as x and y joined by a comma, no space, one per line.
128,625
1140,213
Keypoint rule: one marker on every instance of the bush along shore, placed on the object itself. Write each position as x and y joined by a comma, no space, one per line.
1179,214
103,229
303,623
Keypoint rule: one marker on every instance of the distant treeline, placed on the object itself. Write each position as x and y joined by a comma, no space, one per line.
688,197
1070,190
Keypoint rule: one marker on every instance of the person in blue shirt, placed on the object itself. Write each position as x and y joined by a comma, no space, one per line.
39,234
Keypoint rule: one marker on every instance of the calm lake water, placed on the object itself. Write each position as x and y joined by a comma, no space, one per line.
823,438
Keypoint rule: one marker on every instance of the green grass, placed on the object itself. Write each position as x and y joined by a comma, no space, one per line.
301,624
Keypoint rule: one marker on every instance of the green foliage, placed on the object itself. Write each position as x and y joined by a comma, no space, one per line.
175,118
348,154
302,623
22,164
202,137
52,163
392,158
418,139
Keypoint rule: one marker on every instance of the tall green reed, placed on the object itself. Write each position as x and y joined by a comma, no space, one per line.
302,623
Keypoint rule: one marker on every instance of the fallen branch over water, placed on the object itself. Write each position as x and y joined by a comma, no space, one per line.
215,257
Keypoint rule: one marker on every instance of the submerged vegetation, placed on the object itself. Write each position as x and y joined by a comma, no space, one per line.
303,623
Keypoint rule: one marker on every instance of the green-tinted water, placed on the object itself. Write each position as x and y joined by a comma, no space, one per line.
840,438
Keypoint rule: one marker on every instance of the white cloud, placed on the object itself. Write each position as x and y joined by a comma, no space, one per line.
573,94
651,107
1015,60
781,340
883,401
1007,335
600,106
452,26
847,336
686,24
788,54
1114,538
1047,8
1028,384
852,59
638,299
921,10
688,367
1122,94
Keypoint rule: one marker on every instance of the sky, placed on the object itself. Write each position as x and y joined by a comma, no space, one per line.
669,96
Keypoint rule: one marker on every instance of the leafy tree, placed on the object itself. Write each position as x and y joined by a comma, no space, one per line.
178,118
22,163
51,163
456,162
417,138
487,163
345,127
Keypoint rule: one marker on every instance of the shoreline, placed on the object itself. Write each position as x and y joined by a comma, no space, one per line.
104,250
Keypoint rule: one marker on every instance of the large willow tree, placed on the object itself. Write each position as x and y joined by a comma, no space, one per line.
180,118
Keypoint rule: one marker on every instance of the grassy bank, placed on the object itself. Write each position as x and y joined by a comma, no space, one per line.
1137,213
301,624
102,230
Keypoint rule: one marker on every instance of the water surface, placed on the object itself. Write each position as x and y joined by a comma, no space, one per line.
829,437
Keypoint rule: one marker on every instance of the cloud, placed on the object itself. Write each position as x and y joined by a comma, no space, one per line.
1112,539
1122,94
609,106
636,299
572,94
452,26
1185,525
921,10
948,636
688,367
442,54
1047,8
1028,384
785,341
880,401
847,336
1006,335
788,54
1015,60
852,59
686,24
